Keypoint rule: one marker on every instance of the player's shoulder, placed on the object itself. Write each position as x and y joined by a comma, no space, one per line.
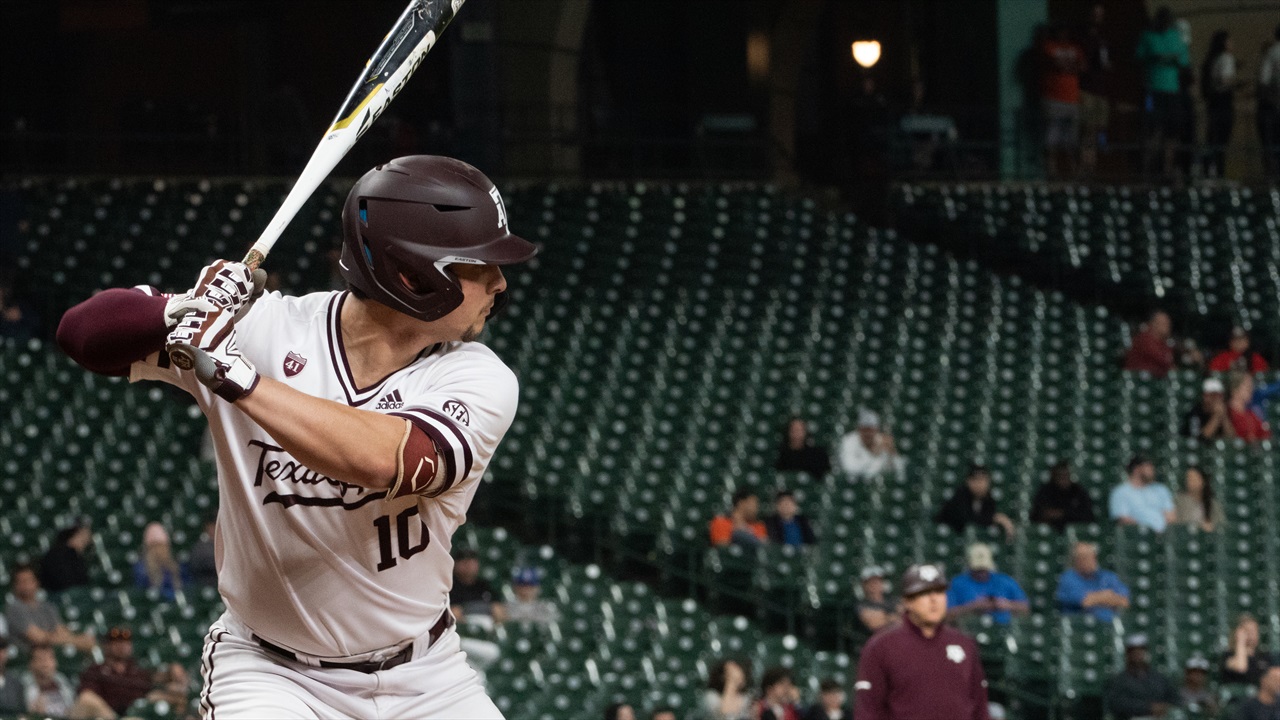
882,641
295,306
956,637
470,358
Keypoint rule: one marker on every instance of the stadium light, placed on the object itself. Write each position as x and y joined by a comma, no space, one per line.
866,52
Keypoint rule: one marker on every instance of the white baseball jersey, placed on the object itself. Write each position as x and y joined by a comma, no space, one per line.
317,565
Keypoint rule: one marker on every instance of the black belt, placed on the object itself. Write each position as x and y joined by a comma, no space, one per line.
444,623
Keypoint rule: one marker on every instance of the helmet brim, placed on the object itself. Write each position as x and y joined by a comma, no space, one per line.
510,250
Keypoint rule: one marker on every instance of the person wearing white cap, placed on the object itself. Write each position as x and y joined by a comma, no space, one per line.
876,610
1209,419
156,569
870,450
1195,693
984,591
1139,691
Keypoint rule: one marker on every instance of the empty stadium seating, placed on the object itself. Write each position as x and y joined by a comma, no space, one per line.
662,338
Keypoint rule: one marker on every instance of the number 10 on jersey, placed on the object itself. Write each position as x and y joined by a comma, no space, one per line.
404,546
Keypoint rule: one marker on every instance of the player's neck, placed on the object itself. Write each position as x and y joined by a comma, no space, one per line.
378,340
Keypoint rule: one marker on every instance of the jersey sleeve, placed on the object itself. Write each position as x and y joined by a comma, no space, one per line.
465,410
870,690
977,683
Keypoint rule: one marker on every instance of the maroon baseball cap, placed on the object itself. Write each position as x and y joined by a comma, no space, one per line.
923,578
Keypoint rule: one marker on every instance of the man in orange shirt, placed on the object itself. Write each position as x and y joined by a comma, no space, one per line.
1061,61
742,525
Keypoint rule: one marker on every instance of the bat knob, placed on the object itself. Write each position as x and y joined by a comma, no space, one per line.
182,358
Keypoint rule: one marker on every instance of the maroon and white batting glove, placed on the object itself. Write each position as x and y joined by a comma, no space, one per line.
222,285
206,343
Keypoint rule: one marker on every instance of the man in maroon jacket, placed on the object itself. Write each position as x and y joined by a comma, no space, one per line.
921,670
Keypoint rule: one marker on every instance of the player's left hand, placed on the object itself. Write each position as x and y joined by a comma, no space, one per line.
206,341
222,285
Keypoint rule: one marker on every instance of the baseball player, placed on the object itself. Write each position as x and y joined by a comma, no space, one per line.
351,429
921,669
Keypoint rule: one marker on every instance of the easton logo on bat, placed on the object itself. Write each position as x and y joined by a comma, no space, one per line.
372,113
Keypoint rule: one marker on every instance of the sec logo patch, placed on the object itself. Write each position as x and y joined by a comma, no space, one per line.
457,411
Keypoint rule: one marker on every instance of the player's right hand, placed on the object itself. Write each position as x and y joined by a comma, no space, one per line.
222,285
205,341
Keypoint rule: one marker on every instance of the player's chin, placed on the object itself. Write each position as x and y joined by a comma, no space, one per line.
473,332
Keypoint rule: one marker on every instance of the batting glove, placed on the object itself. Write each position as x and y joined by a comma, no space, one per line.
222,285
206,343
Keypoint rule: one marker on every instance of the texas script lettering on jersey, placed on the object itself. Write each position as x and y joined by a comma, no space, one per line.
280,467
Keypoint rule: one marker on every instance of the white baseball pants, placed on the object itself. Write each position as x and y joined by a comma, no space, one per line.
244,680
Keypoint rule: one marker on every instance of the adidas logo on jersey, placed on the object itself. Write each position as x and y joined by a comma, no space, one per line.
390,401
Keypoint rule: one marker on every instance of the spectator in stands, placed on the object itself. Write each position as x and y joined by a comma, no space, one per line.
173,686
984,591
870,451
1087,588
63,565
1095,88
1061,62
830,704
13,700
475,606
529,606
973,504
922,668
1139,500
47,692
1152,348
1244,663
1195,694
1268,119
726,697
1209,419
742,525
33,621
876,610
156,569
17,320
107,689
1238,357
203,565
620,711
1196,504
471,598
1266,704
1163,53
1247,406
798,453
663,713
1139,691
1062,501
1218,88
778,696
788,526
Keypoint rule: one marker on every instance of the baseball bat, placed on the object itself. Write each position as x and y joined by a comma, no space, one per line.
385,75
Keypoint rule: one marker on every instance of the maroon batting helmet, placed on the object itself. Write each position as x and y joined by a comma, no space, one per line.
406,221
